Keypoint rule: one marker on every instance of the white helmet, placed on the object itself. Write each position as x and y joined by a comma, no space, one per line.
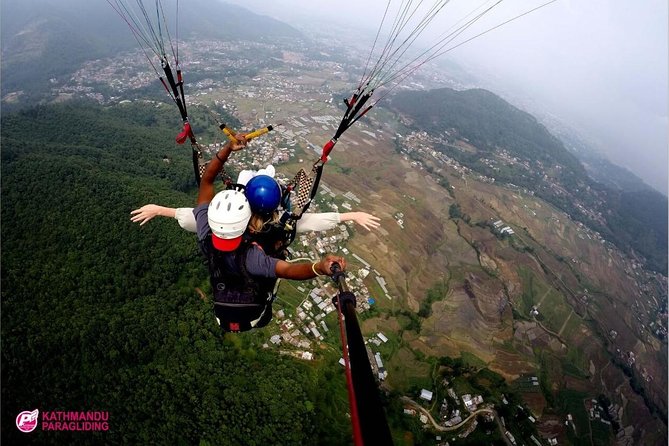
229,214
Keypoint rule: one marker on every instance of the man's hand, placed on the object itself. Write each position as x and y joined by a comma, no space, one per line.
239,143
325,265
207,190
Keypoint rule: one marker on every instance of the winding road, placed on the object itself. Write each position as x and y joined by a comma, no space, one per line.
462,423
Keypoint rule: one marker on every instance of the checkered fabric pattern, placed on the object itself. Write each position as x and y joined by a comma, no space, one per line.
202,166
303,183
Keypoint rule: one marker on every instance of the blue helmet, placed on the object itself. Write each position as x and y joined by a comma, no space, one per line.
263,193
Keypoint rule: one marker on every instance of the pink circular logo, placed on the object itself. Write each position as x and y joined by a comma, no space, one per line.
26,421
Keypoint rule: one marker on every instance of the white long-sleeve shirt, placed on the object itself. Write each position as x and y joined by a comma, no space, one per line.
308,222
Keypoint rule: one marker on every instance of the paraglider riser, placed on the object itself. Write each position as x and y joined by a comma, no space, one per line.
372,416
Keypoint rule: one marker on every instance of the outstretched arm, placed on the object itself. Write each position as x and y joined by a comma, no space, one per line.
329,220
148,211
308,222
184,216
207,190
306,271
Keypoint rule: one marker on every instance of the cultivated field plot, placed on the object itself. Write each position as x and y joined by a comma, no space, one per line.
572,402
289,297
573,328
405,371
534,290
555,309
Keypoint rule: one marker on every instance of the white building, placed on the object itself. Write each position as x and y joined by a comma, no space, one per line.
316,333
382,371
426,395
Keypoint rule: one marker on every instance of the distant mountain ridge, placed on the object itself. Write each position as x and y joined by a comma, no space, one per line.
601,169
43,39
487,121
634,218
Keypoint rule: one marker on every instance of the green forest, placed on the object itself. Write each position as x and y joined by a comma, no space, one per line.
101,314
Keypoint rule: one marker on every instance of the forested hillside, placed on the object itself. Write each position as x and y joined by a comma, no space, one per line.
100,314
636,221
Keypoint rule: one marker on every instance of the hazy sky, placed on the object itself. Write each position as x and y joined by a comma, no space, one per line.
598,65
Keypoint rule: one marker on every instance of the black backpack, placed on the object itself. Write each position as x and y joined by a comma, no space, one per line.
241,302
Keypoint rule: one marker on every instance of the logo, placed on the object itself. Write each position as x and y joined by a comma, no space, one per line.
26,421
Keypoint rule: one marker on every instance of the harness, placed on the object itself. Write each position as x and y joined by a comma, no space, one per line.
296,198
275,238
241,302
